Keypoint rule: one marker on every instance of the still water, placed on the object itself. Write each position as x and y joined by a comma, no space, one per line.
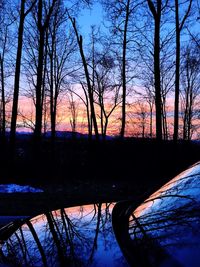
77,236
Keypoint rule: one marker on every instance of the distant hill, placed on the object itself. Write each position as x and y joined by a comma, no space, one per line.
59,134
67,135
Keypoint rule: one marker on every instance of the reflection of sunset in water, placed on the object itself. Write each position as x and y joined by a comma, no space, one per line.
76,236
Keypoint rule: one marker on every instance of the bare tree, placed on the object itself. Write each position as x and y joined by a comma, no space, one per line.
156,11
120,14
23,15
149,98
127,8
107,90
5,22
87,76
73,108
60,46
179,27
155,49
142,116
190,78
84,99
104,72
42,23
167,84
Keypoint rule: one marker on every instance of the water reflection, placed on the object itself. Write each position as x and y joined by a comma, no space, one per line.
165,229
80,236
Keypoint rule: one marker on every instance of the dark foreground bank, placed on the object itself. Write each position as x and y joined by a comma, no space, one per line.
133,160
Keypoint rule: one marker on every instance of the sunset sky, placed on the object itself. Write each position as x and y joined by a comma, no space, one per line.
136,121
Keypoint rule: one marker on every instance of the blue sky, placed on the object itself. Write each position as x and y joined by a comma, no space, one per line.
89,17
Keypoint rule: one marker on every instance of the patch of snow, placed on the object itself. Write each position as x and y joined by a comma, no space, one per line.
15,188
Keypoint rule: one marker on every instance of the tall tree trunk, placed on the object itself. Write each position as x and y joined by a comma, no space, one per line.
179,27
52,108
151,120
164,118
185,120
177,74
54,99
90,91
52,84
122,132
143,129
190,115
44,101
101,114
3,102
38,115
88,113
87,76
23,15
105,127
42,27
17,77
158,101
156,12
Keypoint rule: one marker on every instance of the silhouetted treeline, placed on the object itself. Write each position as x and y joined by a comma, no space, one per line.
135,74
137,161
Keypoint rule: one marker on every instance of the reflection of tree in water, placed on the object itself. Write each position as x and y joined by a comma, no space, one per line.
167,224
63,238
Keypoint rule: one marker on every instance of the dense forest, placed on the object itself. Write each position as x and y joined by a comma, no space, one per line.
135,74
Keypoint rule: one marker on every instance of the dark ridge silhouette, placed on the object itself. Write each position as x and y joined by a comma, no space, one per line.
136,161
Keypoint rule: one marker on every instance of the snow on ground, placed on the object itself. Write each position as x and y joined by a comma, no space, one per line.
15,188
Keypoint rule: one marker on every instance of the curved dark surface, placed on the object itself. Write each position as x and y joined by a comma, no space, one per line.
164,229
136,253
